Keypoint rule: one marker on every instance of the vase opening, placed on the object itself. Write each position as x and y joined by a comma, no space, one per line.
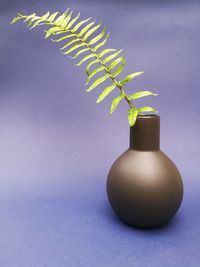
147,115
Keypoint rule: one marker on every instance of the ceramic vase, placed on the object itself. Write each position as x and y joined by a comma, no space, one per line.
144,186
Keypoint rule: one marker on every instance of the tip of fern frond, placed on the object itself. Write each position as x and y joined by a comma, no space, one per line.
67,10
13,21
100,21
46,34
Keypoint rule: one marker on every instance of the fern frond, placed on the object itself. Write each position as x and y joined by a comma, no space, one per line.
86,37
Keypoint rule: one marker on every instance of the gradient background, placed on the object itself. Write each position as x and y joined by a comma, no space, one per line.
57,145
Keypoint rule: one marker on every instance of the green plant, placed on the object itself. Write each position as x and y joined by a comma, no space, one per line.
79,37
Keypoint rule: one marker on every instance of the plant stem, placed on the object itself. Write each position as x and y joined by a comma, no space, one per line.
100,61
107,71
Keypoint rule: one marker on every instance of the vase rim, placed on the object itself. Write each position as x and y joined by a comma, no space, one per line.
148,115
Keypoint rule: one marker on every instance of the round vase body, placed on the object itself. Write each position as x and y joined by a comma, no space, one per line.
144,186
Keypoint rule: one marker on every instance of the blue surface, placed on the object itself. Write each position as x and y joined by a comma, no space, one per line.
81,230
57,145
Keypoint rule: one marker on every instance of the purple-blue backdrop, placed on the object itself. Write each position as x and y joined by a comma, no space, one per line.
56,144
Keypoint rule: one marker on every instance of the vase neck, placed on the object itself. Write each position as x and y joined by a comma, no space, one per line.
145,134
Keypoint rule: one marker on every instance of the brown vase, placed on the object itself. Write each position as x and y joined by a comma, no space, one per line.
144,186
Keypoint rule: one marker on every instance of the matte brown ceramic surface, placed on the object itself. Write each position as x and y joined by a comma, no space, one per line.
144,186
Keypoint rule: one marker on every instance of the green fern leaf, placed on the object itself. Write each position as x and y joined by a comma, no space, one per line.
80,24
147,109
95,71
29,17
102,43
30,23
132,116
119,70
109,58
35,18
35,24
62,17
73,48
90,65
45,17
63,23
141,94
130,77
116,102
86,28
91,31
105,51
16,19
53,16
39,20
51,30
116,62
85,59
71,23
69,43
80,52
98,82
106,92
98,37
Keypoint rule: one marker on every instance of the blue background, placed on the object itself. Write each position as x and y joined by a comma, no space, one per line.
57,145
